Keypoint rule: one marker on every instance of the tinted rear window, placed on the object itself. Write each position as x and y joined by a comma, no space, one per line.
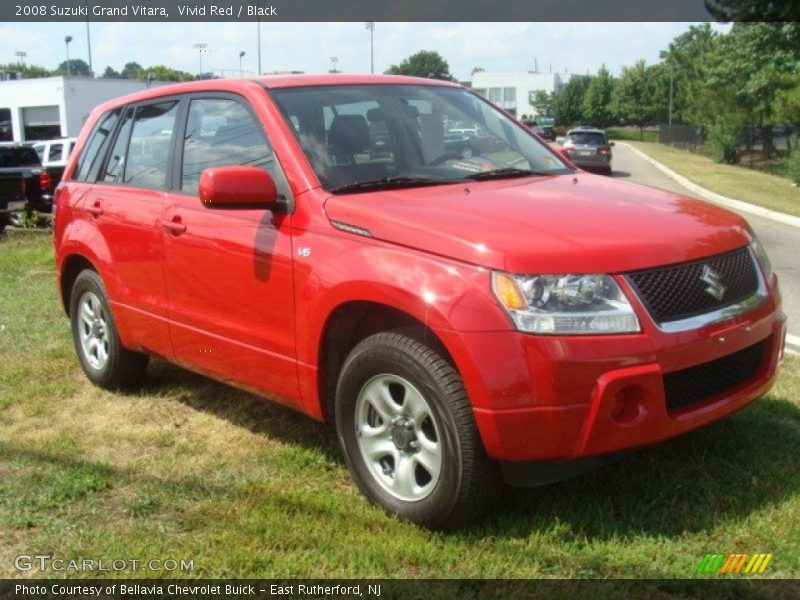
18,157
588,137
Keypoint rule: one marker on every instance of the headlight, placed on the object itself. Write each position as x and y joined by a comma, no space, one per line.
565,304
763,259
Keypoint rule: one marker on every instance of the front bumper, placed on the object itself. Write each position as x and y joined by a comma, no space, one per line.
544,398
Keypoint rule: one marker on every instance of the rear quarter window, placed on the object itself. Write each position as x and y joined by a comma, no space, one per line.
90,157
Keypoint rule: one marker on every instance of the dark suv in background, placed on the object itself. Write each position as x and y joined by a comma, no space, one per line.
25,186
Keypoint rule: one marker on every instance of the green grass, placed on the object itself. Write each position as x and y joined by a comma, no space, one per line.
763,189
190,469
631,134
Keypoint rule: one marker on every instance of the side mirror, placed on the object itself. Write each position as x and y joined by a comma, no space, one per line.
237,186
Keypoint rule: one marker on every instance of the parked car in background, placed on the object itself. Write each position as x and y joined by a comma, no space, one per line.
460,322
24,184
589,148
467,145
547,132
54,155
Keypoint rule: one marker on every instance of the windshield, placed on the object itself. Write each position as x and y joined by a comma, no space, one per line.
362,136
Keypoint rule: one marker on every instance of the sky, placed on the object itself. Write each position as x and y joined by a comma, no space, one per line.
497,47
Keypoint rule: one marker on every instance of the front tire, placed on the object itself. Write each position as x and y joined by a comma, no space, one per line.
105,361
409,439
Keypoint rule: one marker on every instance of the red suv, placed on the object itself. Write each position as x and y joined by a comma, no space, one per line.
460,320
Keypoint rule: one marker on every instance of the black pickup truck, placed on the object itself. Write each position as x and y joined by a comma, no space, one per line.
24,184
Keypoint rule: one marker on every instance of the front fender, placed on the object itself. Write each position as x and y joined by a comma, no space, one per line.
439,292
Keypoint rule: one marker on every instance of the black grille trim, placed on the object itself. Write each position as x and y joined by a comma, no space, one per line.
677,292
707,380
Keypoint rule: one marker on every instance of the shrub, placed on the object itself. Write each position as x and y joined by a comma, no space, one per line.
792,165
724,143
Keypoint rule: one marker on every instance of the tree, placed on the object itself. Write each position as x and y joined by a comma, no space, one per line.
568,104
477,70
26,71
753,10
425,63
77,67
543,103
110,73
164,73
687,60
597,100
633,97
131,70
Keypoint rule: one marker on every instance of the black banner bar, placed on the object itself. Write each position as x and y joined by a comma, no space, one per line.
444,589
360,10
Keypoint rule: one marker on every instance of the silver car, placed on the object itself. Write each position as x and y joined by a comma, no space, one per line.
589,148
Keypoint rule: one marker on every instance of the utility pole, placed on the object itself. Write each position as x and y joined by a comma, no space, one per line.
201,47
370,25
67,40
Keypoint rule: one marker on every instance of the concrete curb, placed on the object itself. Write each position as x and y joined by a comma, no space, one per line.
792,344
731,203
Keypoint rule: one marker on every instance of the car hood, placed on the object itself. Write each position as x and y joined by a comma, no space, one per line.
550,224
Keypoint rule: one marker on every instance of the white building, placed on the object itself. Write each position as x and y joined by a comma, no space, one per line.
514,91
53,107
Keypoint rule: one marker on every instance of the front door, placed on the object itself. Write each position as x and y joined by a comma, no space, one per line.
229,270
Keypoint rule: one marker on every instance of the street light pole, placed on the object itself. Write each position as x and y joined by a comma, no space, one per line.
89,39
371,26
241,55
202,48
671,80
258,25
334,61
67,40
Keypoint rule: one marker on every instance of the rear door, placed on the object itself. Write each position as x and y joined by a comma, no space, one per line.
229,270
126,204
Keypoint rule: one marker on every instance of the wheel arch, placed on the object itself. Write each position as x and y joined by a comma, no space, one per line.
353,321
72,265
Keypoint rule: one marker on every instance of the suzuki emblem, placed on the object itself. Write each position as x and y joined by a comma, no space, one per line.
715,286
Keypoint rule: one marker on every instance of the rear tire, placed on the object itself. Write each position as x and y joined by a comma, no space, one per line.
408,435
106,362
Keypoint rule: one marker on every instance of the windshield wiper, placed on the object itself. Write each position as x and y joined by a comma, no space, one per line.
387,183
504,174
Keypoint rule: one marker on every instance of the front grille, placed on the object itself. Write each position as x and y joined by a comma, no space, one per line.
703,382
679,291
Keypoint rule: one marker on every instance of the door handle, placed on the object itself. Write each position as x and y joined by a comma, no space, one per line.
95,209
176,226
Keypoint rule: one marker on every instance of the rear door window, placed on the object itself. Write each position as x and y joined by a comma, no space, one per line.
148,150
221,132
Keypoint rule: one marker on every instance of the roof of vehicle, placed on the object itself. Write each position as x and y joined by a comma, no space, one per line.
585,129
270,82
